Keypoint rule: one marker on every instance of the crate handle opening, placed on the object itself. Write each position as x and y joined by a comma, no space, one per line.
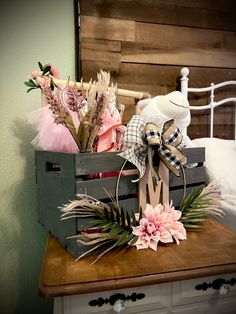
53,167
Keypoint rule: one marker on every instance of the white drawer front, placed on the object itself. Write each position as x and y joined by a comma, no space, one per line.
156,297
184,292
223,307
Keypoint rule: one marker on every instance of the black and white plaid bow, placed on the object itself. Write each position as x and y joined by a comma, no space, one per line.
140,135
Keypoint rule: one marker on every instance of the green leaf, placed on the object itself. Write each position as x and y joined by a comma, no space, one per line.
192,226
98,222
122,237
140,213
195,220
134,239
40,66
99,214
117,216
112,214
29,84
31,81
122,216
46,69
134,221
116,230
128,220
28,90
125,238
108,226
187,202
106,214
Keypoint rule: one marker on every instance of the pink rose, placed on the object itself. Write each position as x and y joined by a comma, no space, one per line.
44,82
54,71
35,74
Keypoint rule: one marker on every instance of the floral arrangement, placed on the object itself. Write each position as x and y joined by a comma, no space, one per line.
113,227
82,114
89,119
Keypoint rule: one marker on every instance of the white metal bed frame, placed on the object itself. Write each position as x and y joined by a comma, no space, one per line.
212,103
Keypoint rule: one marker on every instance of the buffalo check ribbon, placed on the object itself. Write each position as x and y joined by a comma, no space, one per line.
142,137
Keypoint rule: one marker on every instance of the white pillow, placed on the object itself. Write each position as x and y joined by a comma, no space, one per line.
220,162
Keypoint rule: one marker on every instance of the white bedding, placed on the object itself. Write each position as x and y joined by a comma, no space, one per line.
221,168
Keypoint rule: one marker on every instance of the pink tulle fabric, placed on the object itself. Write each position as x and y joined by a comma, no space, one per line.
52,136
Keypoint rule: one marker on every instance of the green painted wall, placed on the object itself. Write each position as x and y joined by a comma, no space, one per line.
30,31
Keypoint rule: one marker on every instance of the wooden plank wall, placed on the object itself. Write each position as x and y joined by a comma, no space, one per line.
144,45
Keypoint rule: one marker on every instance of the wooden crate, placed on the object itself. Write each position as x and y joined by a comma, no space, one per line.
60,176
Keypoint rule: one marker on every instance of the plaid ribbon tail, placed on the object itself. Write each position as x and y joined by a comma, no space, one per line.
138,161
136,148
169,151
174,167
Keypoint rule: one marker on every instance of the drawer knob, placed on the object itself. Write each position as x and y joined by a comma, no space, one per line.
224,289
119,306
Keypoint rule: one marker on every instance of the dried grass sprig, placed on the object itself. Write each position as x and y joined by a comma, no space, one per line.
85,205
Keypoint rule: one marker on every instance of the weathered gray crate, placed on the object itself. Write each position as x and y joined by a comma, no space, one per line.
60,176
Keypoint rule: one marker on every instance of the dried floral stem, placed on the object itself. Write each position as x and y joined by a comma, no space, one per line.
97,99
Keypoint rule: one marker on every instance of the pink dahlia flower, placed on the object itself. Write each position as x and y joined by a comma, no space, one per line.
159,224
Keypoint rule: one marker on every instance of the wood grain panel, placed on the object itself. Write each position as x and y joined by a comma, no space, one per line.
137,74
91,68
195,57
107,51
167,36
158,75
110,58
199,13
164,44
100,44
107,28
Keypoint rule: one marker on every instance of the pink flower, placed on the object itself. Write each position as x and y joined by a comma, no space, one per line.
35,74
54,71
159,224
44,81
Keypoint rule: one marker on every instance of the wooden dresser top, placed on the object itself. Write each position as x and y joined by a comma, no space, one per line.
206,252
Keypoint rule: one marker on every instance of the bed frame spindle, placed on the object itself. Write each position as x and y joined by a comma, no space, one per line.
212,104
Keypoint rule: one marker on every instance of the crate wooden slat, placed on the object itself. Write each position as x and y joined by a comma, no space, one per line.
87,163
95,187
